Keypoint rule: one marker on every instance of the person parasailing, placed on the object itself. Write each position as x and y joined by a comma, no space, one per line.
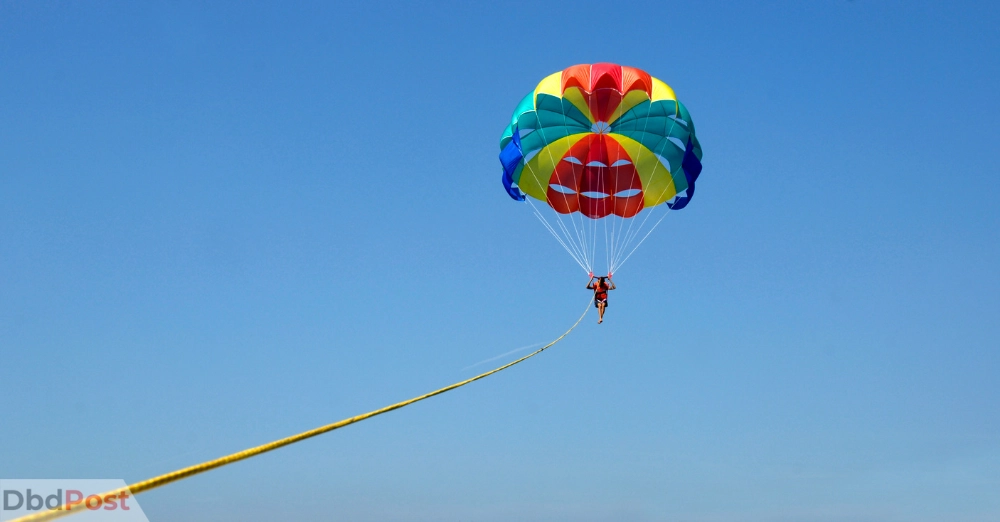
600,147
600,288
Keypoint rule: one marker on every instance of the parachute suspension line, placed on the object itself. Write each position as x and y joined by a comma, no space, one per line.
610,224
620,241
619,257
620,236
593,222
580,230
576,242
578,224
589,228
608,241
572,245
629,234
575,248
642,240
581,234
552,231
617,227
190,471
594,225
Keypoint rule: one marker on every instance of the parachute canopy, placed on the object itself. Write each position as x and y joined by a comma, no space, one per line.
601,140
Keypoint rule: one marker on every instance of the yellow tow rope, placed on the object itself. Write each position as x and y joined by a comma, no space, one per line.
189,471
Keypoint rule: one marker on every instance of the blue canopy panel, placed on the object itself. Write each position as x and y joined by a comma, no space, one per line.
510,157
692,169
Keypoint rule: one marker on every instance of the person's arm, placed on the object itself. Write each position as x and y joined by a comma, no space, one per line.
612,287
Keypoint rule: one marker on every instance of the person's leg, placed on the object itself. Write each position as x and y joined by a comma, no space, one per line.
600,312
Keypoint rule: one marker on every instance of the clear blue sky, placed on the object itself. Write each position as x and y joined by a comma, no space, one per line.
221,225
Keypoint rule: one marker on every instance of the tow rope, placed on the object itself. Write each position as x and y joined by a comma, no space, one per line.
189,471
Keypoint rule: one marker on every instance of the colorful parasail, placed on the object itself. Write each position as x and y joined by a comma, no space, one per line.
601,139
603,142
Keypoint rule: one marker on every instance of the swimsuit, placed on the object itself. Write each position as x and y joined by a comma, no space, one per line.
601,294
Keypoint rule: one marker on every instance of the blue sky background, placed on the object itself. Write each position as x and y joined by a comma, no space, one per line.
224,224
